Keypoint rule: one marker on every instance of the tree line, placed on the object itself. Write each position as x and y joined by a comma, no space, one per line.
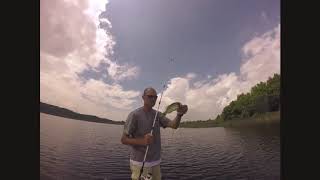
263,97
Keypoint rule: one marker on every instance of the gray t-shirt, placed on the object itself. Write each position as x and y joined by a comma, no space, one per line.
138,124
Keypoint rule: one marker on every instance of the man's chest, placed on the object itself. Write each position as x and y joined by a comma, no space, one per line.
145,122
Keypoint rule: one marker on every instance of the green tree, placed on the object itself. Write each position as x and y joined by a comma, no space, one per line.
263,97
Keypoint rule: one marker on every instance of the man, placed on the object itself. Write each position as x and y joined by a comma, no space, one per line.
137,134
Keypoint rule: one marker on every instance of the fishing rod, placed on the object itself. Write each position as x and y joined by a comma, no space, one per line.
154,120
171,60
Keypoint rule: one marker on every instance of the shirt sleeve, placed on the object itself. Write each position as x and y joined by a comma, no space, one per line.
163,120
130,125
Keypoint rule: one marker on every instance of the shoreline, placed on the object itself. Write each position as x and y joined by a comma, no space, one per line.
269,118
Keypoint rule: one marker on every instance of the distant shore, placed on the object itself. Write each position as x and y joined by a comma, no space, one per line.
66,113
258,119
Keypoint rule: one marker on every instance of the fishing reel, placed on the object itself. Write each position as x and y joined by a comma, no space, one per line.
147,177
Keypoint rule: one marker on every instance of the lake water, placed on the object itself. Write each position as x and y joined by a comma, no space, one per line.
72,149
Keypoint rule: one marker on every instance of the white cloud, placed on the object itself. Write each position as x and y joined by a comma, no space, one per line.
91,97
105,94
122,72
261,56
191,75
71,42
207,98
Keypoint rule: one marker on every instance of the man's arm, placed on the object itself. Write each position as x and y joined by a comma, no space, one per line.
174,124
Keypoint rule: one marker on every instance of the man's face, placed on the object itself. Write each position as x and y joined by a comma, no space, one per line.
150,97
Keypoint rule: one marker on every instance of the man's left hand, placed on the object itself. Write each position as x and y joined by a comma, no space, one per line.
182,109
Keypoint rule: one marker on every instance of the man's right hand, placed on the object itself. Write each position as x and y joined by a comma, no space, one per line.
147,139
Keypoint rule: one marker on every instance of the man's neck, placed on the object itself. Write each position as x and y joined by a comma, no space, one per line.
147,109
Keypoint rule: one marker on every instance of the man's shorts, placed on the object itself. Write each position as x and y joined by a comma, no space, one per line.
155,171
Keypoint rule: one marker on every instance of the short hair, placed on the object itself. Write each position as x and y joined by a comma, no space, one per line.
147,89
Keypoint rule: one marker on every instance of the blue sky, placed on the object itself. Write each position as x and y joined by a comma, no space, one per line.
97,56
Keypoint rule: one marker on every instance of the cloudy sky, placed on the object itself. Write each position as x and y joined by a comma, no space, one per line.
97,56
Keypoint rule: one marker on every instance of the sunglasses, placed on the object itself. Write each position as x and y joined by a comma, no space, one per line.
151,96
